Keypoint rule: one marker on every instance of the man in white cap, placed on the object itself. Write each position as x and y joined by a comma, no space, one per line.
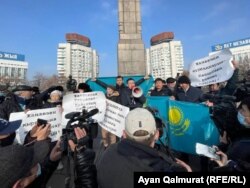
134,153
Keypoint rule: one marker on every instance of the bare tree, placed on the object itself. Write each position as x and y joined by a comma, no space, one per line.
38,79
244,67
185,73
50,81
44,82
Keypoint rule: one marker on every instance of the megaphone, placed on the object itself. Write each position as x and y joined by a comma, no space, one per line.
137,92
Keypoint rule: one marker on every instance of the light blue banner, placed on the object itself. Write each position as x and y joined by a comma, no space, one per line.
187,123
145,85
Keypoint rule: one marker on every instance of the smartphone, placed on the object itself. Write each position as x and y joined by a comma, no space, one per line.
207,151
41,122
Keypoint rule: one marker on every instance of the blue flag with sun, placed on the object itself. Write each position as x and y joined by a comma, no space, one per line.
187,124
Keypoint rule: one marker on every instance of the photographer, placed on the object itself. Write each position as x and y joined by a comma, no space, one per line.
238,135
226,165
85,170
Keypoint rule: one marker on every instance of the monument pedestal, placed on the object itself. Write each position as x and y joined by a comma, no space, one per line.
131,58
131,49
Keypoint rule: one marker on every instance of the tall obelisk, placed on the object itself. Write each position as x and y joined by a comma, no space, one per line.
131,49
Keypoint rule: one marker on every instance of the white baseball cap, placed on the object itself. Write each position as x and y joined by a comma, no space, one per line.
140,119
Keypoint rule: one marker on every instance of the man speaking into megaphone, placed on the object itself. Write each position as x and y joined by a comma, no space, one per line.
132,96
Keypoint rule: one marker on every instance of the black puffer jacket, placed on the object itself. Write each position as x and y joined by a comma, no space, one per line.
162,92
119,162
85,170
121,89
193,94
11,105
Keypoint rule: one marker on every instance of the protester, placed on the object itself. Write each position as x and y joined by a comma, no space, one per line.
3,92
55,100
20,165
107,137
83,88
171,84
186,92
229,87
19,101
35,91
120,87
130,100
7,131
134,153
159,89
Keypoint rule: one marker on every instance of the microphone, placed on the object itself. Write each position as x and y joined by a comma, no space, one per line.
86,115
75,116
90,113
72,115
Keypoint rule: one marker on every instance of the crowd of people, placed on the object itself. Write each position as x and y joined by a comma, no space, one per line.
33,163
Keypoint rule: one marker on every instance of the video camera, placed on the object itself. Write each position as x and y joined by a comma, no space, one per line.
243,91
83,120
224,113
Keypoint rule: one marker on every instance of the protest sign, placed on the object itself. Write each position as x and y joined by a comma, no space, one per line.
76,102
29,119
212,69
114,118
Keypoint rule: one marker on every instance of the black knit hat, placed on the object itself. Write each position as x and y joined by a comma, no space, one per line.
22,88
84,86
184,80
170,80
16,161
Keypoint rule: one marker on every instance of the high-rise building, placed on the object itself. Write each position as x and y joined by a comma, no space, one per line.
165,56
131,49
239,48
13,68
77,58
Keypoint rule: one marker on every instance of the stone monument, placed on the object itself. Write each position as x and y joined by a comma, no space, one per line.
131,49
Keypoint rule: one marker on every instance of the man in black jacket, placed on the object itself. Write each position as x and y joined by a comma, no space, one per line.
19,101
85,170
186,92
127,97
135,153
160,90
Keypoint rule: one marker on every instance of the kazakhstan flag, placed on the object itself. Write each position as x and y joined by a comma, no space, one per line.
187,124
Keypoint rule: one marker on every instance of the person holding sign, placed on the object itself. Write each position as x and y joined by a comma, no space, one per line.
159,89
55,99
107,137
230,86
186,92
18,101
